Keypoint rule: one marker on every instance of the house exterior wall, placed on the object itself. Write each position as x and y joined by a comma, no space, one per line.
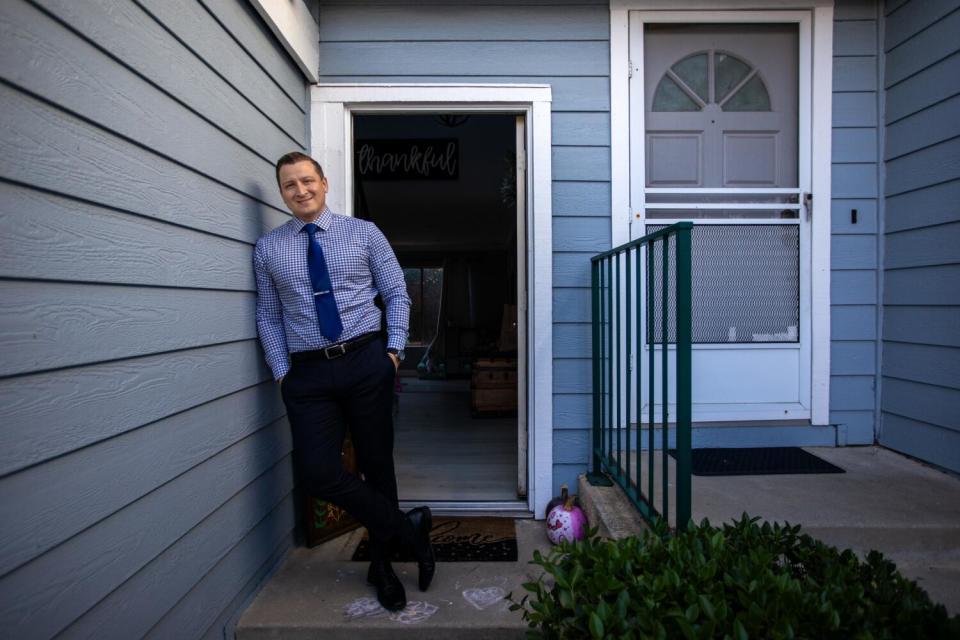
855,171
561,44
566,45
920,397
145,476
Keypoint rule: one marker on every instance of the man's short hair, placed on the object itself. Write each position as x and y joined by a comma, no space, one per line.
293,158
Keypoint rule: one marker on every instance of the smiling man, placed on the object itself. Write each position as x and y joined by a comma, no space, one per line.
317,277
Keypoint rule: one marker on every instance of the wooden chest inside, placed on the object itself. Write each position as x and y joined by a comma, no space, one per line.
493,387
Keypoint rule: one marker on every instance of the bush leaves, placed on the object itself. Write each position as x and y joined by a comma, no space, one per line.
743,580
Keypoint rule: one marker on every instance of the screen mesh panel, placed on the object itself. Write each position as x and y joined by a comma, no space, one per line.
746,284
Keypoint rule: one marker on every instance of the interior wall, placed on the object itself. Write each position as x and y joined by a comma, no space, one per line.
469,212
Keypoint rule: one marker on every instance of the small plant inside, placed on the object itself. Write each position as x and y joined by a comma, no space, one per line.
741,580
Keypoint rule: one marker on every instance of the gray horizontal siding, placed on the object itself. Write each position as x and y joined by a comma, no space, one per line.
570,93
145,476
367,4
461,23
87,569
53,325
562,44
921,378
855,186
93,243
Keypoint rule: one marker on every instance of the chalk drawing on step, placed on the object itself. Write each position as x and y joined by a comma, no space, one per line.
414,612
363,608
484,597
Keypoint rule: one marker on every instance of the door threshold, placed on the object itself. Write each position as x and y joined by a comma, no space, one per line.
499,508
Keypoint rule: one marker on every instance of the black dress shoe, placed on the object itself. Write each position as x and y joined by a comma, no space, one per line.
422,521
390,591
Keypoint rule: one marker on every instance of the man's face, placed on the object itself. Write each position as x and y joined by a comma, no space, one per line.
303,190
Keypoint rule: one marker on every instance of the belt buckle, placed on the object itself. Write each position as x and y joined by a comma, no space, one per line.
335,351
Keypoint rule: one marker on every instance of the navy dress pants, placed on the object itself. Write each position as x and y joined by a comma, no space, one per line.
326,397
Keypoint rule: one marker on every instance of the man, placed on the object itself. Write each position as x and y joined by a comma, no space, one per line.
317,277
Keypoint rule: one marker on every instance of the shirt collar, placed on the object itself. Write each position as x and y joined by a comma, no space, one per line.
323,220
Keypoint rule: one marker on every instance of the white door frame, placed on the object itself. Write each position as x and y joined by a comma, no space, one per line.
331,139
816,69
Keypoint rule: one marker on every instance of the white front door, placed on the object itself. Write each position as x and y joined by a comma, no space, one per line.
722,140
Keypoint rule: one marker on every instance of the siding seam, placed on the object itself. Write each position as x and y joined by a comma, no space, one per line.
920,188
66,195
95,363
923,228
111,283
146,424
921,382
922,109
286,56
123,64
93,123
916,419
923,148
916,33
107,516
921,70
214,70
271,512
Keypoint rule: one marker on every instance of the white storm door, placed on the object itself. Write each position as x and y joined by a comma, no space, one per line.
721,145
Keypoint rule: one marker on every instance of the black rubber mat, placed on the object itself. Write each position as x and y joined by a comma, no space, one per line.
763,461
477,539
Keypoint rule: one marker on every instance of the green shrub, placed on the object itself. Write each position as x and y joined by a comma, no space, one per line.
742,580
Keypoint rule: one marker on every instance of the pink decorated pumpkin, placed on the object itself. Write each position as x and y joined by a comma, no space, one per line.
557,500
566,522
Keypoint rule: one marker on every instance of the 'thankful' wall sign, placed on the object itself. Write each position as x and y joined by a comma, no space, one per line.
408,159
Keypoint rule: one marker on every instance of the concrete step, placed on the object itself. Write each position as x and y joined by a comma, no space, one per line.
320,593
609,510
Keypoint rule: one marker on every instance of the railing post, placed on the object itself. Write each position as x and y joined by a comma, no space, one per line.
684,375
651,378
665,377
609,363
596,477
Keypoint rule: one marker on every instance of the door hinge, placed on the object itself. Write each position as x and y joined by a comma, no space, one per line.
629,68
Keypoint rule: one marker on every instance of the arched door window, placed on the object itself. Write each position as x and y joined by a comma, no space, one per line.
711,77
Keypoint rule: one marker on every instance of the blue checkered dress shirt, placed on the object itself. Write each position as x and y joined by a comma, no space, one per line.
361,263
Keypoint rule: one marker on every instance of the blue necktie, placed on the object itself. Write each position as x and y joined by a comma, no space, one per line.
327,315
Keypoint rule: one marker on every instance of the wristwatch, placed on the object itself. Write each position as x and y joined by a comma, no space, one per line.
400,354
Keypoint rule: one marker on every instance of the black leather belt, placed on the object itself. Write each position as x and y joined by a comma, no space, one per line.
335,350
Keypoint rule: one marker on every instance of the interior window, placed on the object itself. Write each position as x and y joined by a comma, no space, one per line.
425,287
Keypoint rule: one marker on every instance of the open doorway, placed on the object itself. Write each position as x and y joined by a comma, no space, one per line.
443,187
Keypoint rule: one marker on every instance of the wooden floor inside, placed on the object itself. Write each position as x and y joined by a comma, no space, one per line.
443,453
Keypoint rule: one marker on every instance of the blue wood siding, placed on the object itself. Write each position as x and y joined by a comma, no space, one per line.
145,476
920,399
565,45
854,248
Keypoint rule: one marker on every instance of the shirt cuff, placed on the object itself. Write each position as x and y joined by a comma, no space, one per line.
281,370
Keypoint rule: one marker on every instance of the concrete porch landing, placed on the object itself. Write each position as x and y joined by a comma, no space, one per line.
885,501
320,592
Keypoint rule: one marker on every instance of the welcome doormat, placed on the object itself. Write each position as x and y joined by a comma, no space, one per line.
462,540
762,461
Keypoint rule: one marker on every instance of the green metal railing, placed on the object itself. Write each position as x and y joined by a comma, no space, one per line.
624,332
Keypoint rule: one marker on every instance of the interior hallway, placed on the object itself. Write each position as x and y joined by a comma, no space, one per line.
443,453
